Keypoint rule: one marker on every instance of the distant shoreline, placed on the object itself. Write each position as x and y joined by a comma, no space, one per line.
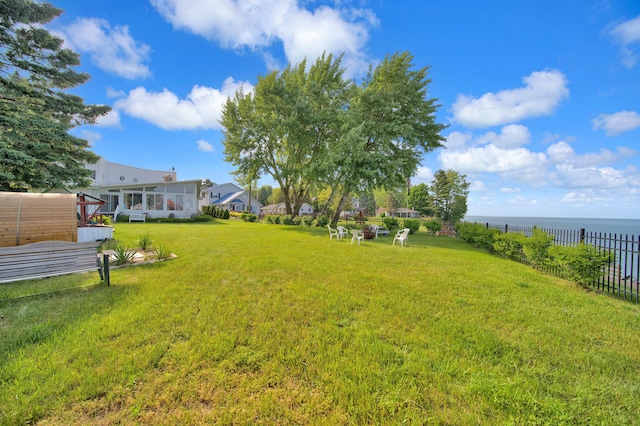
614,226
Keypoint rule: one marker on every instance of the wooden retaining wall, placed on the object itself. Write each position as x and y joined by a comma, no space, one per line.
29,217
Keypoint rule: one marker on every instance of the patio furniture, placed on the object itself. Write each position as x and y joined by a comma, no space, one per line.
357,235
333,233
342,231
401,236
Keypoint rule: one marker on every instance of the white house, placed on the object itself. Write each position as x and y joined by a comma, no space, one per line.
230,197
156,193
404,212
281,208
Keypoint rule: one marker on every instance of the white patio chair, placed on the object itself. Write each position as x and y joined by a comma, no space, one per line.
333,233
342,231
375,228
357,235
402,236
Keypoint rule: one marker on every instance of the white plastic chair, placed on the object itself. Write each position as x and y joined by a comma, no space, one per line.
342,231
356,236
402,236
333,233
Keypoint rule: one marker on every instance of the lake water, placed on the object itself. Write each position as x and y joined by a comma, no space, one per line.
613,226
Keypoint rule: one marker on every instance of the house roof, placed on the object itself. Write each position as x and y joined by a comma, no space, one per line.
229,197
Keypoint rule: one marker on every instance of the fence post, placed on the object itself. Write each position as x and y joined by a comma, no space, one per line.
582,235
105,264
506,228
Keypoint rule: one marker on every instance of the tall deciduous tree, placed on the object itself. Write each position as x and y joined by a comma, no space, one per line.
420,199
391,125
285,128
315,129
36,150
449,190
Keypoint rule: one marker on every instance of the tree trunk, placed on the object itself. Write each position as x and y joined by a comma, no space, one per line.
336,215
326,205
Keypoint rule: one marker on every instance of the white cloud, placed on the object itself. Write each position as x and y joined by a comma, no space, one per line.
591,177
201,109
457,140
90,136
626,34
257,25
509,190
111,49
617,123
205,146
423,175
543,92
491,158
112,119
511,136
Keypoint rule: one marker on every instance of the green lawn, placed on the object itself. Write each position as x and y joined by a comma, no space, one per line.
268,324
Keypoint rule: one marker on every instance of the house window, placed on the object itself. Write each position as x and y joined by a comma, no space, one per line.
133,200
155,201
175,202
112,203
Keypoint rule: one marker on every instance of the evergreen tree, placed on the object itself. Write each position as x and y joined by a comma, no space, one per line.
36,150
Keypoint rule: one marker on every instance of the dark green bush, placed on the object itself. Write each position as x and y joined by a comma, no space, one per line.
307,220
536,248
390,223
296,220
322,221
412,224
287,220
510,245
226,214
277,220
122,218
582,264
478,235
433,225
252,218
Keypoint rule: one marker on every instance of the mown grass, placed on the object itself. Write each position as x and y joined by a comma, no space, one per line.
268,324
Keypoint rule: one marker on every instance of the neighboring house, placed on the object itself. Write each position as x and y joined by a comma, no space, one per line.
404,212
156,193
229,196
280,208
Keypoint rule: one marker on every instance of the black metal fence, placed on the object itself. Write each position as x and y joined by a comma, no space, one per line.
622,276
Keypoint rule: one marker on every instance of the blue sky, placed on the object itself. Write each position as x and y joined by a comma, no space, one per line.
542,98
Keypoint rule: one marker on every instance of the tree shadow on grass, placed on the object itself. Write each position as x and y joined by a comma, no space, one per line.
34,319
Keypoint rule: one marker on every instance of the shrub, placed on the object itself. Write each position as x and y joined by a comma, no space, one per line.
145,242
412,224
510,245
277,220
433,225
122,218
297,220
162,252
122,254
478,235
225,214
391,223
307,220
582,264
244,215
287,220
322,221
252,218
536,248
